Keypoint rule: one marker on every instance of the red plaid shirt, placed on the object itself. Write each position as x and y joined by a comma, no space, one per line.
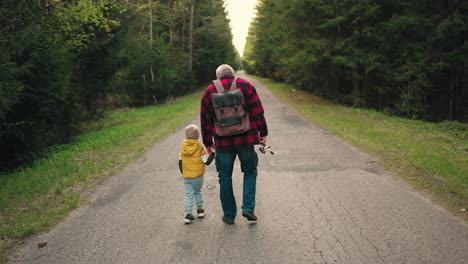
258,126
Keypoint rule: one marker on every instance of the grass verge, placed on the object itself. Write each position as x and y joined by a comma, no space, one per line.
431,156
34,199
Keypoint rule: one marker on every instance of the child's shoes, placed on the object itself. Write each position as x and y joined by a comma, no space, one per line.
189,219
200,212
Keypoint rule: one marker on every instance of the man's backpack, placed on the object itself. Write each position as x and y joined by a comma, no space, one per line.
230,110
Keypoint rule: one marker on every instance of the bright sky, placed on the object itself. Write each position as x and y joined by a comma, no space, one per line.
240,13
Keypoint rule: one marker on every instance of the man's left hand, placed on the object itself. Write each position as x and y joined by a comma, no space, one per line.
210,149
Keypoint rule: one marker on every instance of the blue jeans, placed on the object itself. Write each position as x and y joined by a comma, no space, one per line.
224,165
193,189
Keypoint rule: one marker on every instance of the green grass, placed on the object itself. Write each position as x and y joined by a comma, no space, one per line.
35,198
431,156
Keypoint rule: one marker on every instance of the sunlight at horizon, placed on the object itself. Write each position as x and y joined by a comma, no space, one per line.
240,14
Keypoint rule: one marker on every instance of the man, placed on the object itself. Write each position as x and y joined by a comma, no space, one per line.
241,145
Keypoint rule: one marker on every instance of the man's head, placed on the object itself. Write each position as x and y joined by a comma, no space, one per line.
224,70
191,132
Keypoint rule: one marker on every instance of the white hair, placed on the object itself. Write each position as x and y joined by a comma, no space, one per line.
224,70
191,132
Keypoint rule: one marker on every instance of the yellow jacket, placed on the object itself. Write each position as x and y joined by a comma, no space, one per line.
192,163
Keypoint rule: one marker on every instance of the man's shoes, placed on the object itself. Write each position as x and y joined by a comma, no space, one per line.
228,221
250,216
200,213
189,219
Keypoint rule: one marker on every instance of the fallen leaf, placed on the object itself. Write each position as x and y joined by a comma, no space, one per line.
42,244
372,161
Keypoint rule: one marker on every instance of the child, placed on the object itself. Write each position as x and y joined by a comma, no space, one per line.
192,160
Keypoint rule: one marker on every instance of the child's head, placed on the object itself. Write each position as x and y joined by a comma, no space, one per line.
191,132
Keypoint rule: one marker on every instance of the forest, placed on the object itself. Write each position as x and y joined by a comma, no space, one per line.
66,62
406,58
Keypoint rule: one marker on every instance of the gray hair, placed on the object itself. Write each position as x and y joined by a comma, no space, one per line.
224,70
191,132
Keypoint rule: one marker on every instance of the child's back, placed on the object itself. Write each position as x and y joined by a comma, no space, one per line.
191,154
192,160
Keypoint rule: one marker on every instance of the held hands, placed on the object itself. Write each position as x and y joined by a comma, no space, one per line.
210,149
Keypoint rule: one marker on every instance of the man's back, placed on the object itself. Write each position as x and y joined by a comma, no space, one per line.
254,107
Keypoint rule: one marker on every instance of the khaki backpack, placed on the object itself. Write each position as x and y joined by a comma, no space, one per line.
230,110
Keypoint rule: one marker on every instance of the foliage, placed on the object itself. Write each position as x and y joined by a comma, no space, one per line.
62,63
34,110
213,40
404,57
168,58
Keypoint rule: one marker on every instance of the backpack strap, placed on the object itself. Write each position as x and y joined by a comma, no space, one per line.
220,88
234,85
218,85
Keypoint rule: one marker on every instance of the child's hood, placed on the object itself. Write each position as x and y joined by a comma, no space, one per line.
190,147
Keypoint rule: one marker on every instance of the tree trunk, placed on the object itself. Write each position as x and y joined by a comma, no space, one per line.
364,89
170,33
356,93
451,95
144,89
192,8
151,24
151,35
460,94
183,33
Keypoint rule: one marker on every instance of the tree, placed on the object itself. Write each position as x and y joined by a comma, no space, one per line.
403,57
192,10
64,63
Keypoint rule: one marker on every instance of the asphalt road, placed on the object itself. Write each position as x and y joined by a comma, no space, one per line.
319,200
